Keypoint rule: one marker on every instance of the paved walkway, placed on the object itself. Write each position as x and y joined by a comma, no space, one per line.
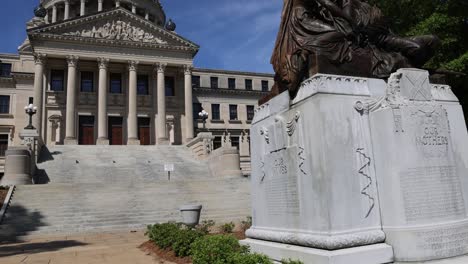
104,248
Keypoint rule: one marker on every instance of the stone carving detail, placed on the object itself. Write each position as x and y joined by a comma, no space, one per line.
160,67
133,65
264,133
301,159
263,171
103,63
291,125
40,58
72,61
188,69
364,191
118,30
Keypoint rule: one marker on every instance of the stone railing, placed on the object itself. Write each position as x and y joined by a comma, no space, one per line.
144,101
55,98
116,99
202,145
87,98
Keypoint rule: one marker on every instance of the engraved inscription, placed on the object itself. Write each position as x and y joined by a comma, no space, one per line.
432,132
281,184
432,193
446,242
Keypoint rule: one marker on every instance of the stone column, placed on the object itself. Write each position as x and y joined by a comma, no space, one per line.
117,3
132,119
70,123
39,60
161,124
147,15
100,5
134,9
188,102
67,10
103,138
83,8
54,13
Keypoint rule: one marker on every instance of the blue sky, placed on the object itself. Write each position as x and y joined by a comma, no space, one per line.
233,34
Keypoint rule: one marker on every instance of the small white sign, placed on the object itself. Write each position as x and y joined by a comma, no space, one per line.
168,167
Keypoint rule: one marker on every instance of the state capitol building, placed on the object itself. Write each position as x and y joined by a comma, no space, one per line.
115,72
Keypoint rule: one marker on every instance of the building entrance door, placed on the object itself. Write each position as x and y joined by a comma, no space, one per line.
86,132
144,130
115,130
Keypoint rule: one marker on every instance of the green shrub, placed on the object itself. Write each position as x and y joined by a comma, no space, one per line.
184,240
228,228
290,261
216,249
238,258
205,226
164,235
246,224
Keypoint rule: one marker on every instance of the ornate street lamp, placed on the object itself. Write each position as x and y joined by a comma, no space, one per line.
204,116
30,110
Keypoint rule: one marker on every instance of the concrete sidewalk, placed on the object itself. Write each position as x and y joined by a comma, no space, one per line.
103,248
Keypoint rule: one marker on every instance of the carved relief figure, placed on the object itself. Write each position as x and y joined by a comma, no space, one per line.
348,37
118,30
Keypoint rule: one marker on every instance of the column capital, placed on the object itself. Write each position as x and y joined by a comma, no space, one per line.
72,60
67,2
160,67
40,58
133,65
103,63
188,69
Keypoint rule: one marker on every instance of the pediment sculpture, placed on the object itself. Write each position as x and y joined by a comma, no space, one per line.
118,30
345,37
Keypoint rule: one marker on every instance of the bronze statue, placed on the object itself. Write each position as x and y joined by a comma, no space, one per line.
347,37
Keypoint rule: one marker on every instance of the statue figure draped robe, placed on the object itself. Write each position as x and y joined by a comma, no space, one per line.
347,37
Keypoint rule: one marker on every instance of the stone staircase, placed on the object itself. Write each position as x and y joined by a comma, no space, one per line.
103,188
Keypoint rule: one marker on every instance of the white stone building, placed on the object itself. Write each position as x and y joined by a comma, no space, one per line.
114,72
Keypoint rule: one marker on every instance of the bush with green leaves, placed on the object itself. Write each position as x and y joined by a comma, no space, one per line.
246,224
249,258
228,228
217,249
163,235
205,226
184,240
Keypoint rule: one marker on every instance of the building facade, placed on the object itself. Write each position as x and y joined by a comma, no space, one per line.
114,72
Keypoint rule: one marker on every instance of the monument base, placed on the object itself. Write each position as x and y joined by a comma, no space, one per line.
133,142
372,254
102,142
456,260
70,142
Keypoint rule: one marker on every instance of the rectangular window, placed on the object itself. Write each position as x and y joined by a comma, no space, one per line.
5,69
250,112
142,85
233,112
197,108
265,87
248,84
115,83
87,82
214,82
215,114
195,81
217,143
56,80
235,142
232,83
4,104
3,144
170,86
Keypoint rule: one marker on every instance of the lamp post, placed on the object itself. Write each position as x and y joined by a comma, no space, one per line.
30,110
204,116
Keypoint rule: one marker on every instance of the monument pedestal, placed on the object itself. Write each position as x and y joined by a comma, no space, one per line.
357,171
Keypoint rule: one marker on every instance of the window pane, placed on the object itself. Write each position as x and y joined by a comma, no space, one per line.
4,104
87,82
248,84
196,81
3,145
214,82
215,115
56,80
142,85
250,112
116,83
170,86
265,86
232,83
233,112
5,69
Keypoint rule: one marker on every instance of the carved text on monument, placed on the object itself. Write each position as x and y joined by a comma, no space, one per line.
445,242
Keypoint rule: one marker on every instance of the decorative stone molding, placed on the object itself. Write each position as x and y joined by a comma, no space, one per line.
160,67
317,240
72,61
133,65
103,63
188,69
40,58
291,125
118,30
